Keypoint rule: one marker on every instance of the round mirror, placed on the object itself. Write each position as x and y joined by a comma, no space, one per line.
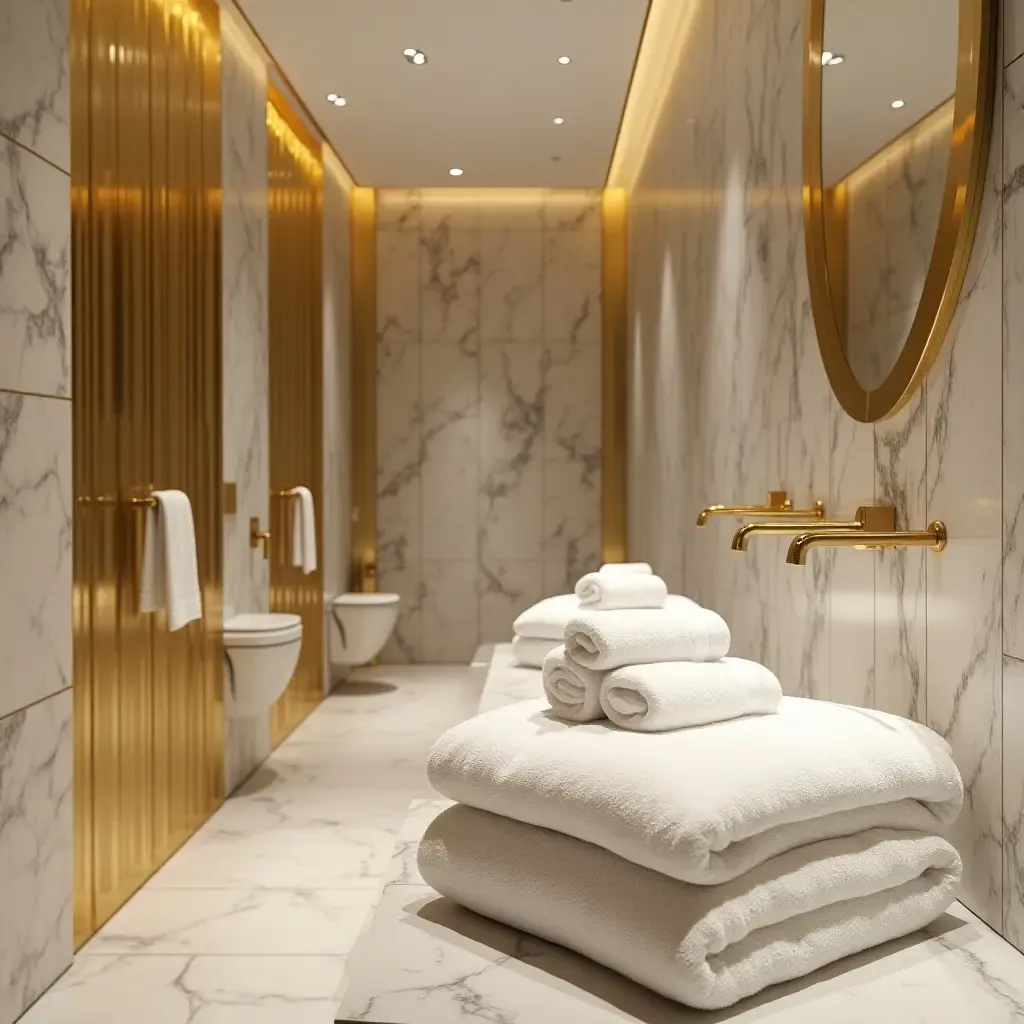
897,116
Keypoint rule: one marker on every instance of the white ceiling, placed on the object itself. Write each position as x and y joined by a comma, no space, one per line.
487,97
893,50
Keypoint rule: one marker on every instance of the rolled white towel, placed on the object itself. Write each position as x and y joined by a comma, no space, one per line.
677,694
574,692
531,650
681,631
546,619
639,568
613,590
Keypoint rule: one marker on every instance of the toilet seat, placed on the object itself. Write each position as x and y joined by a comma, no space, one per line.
262,630
357,600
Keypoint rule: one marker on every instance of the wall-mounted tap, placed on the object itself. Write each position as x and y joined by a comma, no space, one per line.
866,538
778,506
877,518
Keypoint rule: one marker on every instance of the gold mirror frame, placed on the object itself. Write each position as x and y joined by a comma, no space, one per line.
958,216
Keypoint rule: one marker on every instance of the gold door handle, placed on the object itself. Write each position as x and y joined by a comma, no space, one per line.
258,537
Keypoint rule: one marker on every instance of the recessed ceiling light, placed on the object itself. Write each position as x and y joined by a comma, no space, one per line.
896,104
410,51
826,56
414,56
456,172
559,120
836,58
339,101
331,97
420,58
564,60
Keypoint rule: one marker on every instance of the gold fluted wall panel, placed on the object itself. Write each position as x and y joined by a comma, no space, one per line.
147,398
296,389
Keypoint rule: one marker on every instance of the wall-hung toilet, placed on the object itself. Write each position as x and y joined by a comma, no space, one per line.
261,652
359,625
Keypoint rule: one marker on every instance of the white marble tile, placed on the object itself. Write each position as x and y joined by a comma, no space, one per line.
511,510
572,408
402,576
398,285
246,745
35,851
572,524
507,587
572,302
449,513
512,210
450,613
35,548
228,922
508,682
572,210
35,268
450,285
34,79
399,210
193,990
450,399
1012,14
512,287
1013,801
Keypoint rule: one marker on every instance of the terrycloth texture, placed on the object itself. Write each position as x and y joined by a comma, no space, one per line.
531,651
170,568
705,946
705,804
612,590
574,692
681,631
627,567
303,531
546,619
676,694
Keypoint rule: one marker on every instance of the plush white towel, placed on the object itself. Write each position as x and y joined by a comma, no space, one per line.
677,694
709,803
707,946
681,631
303,531
639,568
574,692
609,590
531,650
170,567
546,619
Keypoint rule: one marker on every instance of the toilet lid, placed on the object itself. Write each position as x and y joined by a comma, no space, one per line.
349,600
262,630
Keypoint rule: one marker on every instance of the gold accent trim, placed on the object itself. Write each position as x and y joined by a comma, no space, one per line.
363,211
958,217
875,518
935,537
230,499
778,505
259,538
614,368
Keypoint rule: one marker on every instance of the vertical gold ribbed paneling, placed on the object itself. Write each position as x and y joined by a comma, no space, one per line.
147,394
364,388
614,316
296,388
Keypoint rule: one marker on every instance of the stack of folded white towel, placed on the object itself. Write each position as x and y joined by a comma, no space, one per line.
539,629
705,861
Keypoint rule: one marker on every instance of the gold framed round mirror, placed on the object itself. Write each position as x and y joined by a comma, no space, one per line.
897,121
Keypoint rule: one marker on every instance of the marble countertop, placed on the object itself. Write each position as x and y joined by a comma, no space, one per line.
425,960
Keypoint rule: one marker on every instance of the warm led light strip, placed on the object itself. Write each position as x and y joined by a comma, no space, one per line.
302,154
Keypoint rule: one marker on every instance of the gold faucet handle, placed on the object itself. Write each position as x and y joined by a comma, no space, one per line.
779,506
877,518
258,537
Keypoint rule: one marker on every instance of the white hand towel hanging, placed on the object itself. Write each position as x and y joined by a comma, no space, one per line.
170,568
304,531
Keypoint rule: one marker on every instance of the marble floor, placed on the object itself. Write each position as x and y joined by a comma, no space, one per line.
251,921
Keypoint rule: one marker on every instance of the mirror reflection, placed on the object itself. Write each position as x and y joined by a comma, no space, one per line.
888,79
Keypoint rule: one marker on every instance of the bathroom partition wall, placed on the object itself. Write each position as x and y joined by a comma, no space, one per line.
296,390
147,414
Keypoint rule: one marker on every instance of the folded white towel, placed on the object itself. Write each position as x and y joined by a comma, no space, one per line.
170,566
572,690
677,694
531,650
639,568
610,590
681,631
705,804
546,619
304,531
706,946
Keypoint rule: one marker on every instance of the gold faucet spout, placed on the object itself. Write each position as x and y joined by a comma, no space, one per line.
741,539
935,537
778,506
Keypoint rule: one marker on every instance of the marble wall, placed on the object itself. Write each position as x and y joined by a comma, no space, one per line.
729,399
35,502
337,489
488,397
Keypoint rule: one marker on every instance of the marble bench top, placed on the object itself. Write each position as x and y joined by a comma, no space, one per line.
425,960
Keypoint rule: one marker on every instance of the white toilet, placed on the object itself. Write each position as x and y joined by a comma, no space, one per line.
262,652
359,626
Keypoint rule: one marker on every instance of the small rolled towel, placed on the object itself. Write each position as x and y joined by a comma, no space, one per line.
531,650
676,694
681,631
546,619
607,591
574,692
640,568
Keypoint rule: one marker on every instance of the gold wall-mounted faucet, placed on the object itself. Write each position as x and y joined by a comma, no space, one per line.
778,506
876,518
257,537
867,537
